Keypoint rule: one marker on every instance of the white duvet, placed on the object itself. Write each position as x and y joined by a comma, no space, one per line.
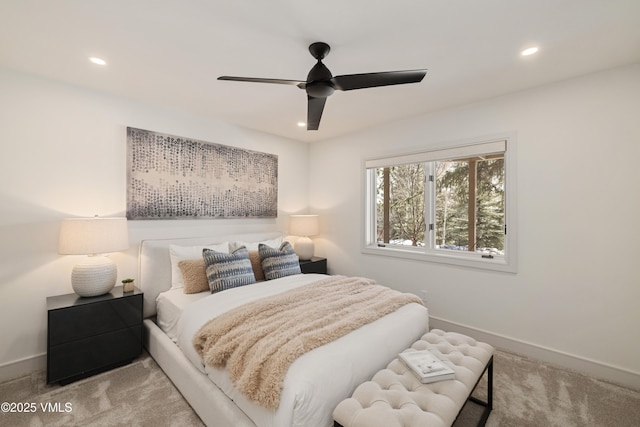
318,380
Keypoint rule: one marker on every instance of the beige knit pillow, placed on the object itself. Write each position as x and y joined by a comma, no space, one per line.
256,265
194,275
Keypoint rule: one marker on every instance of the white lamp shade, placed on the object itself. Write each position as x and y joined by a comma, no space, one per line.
96,275
303,225
88,236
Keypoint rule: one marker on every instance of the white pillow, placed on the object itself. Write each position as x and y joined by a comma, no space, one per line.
180,253
253,246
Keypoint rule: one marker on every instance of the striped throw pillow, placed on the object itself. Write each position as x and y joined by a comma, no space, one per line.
226,271
279,262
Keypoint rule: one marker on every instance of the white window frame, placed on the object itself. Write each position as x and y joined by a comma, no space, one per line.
488,145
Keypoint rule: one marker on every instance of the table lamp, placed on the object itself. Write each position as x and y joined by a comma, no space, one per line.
304,226
96,274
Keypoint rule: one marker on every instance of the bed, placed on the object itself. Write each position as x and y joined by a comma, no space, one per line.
314,383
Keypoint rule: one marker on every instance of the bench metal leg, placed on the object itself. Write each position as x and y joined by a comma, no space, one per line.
488,405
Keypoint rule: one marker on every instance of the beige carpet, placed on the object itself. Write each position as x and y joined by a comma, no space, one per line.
526,393
138,394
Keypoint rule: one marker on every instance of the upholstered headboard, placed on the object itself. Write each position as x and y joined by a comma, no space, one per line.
154,263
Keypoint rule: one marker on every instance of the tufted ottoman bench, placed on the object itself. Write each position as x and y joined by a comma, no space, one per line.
396,398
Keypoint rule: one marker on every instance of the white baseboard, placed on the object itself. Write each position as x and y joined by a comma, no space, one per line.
21,367
592,368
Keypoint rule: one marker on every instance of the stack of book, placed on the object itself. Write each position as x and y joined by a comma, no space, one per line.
427,366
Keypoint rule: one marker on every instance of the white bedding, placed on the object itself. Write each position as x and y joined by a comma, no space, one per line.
318,380
170,305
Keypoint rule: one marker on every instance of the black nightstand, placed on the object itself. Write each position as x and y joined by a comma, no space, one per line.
86,336
314,265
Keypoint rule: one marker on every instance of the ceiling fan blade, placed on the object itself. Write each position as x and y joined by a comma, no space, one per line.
300,84
387,78
315,106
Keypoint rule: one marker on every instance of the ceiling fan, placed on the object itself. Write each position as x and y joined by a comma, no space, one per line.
321,83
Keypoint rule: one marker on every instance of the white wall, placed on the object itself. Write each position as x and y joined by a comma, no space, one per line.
574,299
63,154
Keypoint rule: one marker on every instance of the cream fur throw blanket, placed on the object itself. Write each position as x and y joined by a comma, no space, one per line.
258,341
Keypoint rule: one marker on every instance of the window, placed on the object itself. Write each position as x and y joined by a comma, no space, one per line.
453,205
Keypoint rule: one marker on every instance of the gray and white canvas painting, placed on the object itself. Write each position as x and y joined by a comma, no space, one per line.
172,177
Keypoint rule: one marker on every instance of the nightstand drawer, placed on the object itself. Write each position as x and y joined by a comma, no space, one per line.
87,320
93,354
314,265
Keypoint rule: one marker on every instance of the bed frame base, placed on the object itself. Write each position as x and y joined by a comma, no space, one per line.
207,400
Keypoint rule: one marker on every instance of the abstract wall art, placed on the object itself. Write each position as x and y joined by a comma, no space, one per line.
172,177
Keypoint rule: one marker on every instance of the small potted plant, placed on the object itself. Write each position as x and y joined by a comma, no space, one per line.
128,284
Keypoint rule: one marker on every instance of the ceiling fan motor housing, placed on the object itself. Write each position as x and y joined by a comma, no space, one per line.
320,89
319,83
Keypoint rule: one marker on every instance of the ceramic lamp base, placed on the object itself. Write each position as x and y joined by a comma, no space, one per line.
304,248
94,276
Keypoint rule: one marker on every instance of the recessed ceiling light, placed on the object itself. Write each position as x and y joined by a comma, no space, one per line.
529,51
301,124
98,61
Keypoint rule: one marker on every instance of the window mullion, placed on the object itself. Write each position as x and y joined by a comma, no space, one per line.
430,205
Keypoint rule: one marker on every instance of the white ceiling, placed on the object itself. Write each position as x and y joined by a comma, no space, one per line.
170,52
